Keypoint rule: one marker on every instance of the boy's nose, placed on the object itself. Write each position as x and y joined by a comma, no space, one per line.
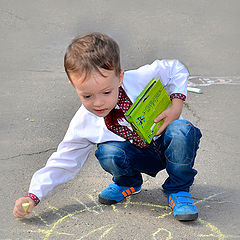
98,103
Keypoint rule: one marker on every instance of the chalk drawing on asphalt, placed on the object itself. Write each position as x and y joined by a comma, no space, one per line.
68,218
195,81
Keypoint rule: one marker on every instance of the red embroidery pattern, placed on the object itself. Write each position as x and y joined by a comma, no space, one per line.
112,124
33,197
178,95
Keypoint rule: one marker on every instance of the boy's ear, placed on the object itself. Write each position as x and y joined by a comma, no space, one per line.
70,82
121,77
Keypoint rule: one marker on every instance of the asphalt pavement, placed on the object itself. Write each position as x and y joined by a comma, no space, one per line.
37,104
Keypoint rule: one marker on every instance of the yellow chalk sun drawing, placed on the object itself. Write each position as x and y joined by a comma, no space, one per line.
81,221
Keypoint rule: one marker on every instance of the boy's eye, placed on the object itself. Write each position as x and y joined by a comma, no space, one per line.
107,92
87,96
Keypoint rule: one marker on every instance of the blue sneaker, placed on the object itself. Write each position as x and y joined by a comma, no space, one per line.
114,193
182,205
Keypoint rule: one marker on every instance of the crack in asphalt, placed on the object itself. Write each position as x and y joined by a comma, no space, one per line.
12,14
29,154
187,105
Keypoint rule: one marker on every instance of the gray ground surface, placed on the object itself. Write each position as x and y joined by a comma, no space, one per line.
36,105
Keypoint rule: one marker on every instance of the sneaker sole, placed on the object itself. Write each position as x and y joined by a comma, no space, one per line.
187,217
110,201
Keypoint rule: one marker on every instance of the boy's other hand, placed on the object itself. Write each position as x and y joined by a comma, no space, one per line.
18,210
169,115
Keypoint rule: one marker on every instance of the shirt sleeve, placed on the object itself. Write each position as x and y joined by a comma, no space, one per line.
174,76
64,164
172,73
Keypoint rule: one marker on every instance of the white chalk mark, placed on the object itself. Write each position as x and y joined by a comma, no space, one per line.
207,198
195,81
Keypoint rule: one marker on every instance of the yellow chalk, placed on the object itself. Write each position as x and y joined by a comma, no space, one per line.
25,206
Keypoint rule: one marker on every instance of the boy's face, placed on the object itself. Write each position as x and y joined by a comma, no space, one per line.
98,94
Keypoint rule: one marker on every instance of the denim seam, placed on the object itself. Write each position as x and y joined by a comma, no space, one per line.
195,144
185,164
125,159
156,150
124,152
185,124
189,128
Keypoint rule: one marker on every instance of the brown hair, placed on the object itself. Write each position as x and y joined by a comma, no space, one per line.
92,52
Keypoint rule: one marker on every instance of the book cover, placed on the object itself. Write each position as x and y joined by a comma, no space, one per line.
152,101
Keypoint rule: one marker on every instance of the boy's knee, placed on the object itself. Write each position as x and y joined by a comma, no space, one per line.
183,130
112,158
181,141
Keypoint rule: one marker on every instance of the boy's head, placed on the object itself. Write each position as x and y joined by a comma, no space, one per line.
92,63
92,52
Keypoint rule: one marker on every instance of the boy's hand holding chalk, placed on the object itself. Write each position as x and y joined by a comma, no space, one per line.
23,206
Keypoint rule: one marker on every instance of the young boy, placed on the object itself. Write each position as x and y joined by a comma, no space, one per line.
92,63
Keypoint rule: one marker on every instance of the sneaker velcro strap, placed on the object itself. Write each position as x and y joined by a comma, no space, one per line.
180,198
182,194
183,200
115,186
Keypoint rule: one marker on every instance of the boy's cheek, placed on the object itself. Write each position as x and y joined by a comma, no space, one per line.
83,101
86,106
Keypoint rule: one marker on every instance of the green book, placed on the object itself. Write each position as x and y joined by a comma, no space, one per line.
152,101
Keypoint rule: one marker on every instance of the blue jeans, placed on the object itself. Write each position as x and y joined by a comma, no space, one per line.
175,150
